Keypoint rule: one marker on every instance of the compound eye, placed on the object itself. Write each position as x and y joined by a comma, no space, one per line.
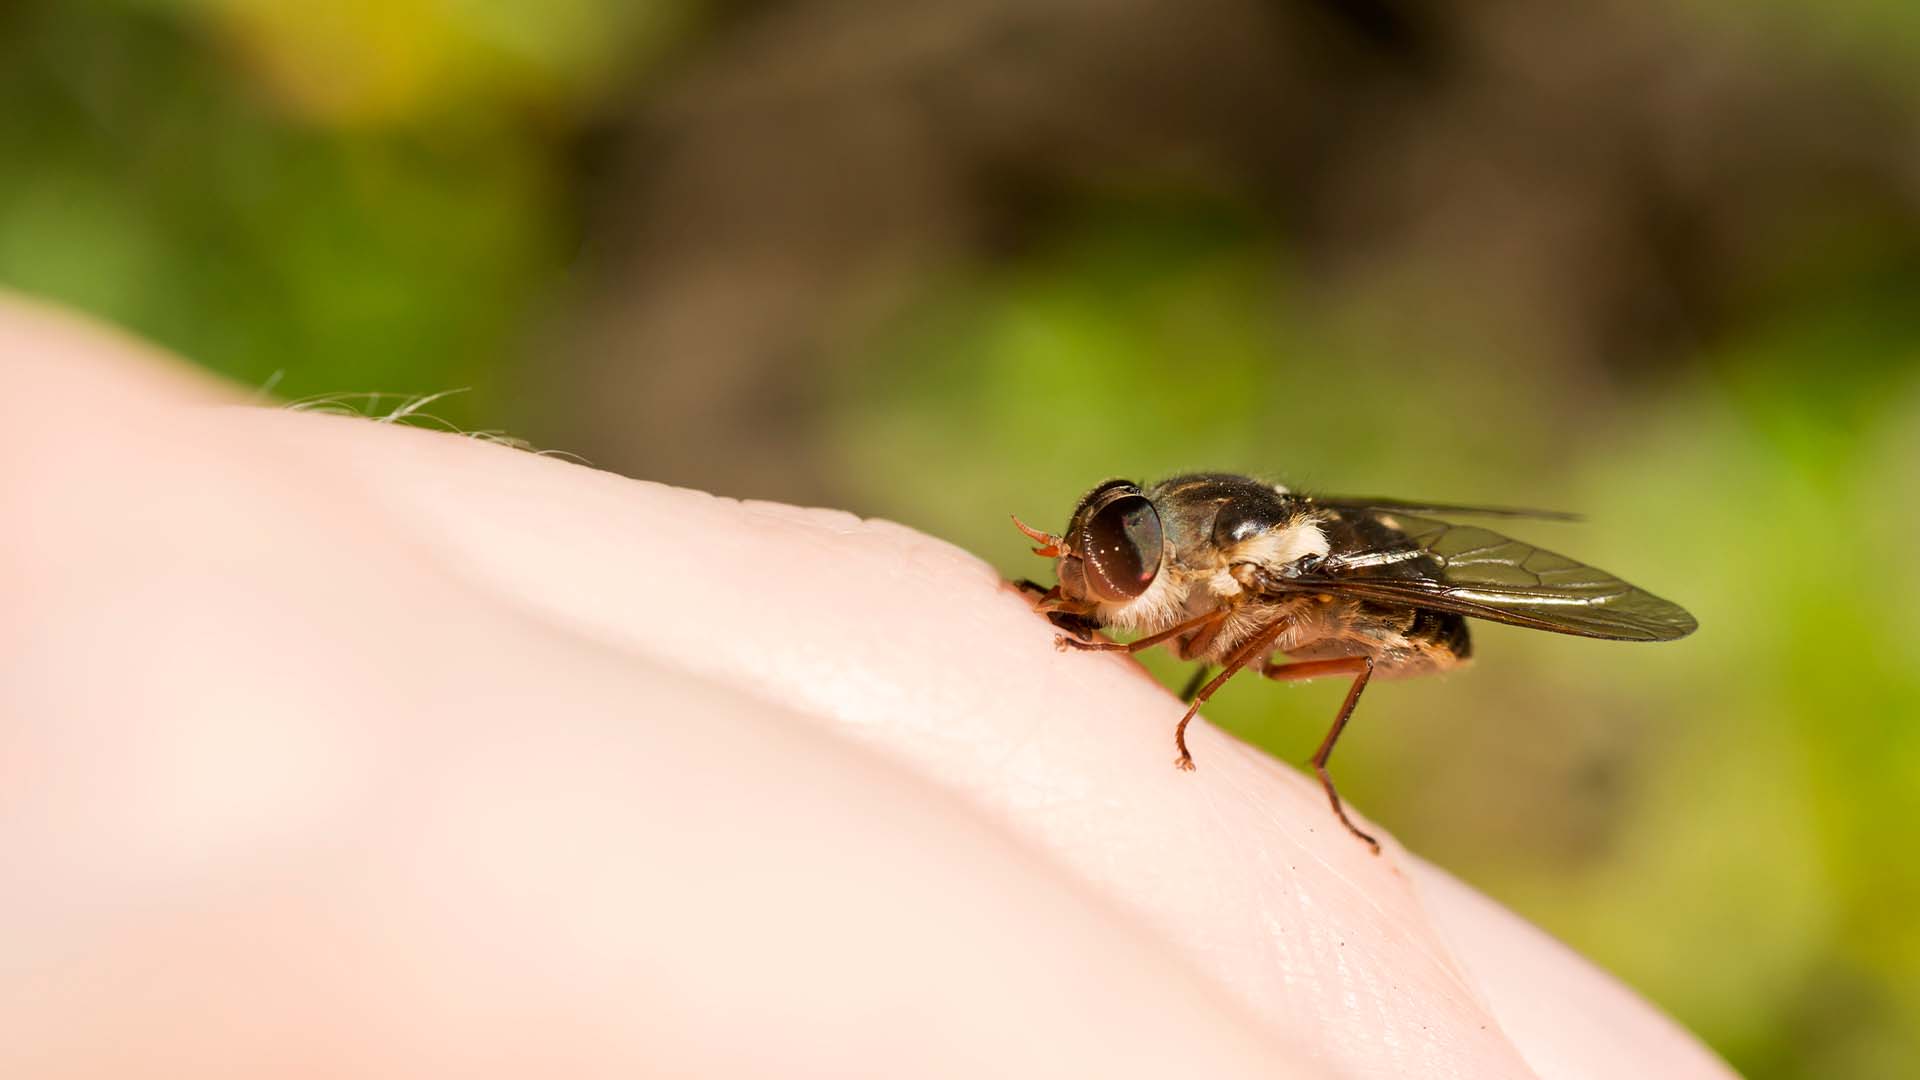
1121,543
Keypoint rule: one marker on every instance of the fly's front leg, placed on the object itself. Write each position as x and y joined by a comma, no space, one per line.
1081,627
1045,600
1361,668
1034,589
1148,642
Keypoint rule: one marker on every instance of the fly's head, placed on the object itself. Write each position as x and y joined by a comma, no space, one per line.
1115,562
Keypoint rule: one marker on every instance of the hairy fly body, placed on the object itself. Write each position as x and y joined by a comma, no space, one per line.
1233,572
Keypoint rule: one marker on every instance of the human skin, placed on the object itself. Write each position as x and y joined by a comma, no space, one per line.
334,747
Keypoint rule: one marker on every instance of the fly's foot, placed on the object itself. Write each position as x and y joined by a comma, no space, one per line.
1364,838
1184,762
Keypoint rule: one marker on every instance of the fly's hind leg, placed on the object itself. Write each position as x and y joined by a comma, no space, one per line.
1361,668
1194,683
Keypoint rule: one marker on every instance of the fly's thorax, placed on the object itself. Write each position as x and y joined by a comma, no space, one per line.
1214,522
1232,562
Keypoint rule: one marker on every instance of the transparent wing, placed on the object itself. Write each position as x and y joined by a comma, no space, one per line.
1359,503
1410,561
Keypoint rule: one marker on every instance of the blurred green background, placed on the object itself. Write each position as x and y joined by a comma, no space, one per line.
1659,264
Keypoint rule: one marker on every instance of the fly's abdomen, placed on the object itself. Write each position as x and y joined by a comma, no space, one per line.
1402,641
1442,637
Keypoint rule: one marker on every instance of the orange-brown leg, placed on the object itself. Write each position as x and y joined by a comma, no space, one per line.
1200,623
1256,647
1361,668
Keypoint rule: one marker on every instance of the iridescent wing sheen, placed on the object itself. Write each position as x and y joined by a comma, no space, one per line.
1404,560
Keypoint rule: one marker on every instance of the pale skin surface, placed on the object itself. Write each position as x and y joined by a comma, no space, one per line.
332,747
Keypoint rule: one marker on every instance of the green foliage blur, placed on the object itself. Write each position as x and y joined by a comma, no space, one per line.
417,197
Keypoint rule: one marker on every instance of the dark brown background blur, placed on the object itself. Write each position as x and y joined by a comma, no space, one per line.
1657,263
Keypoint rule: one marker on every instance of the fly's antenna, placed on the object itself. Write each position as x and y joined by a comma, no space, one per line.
1051,546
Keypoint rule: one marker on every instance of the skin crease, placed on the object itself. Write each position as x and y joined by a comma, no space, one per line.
331,746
